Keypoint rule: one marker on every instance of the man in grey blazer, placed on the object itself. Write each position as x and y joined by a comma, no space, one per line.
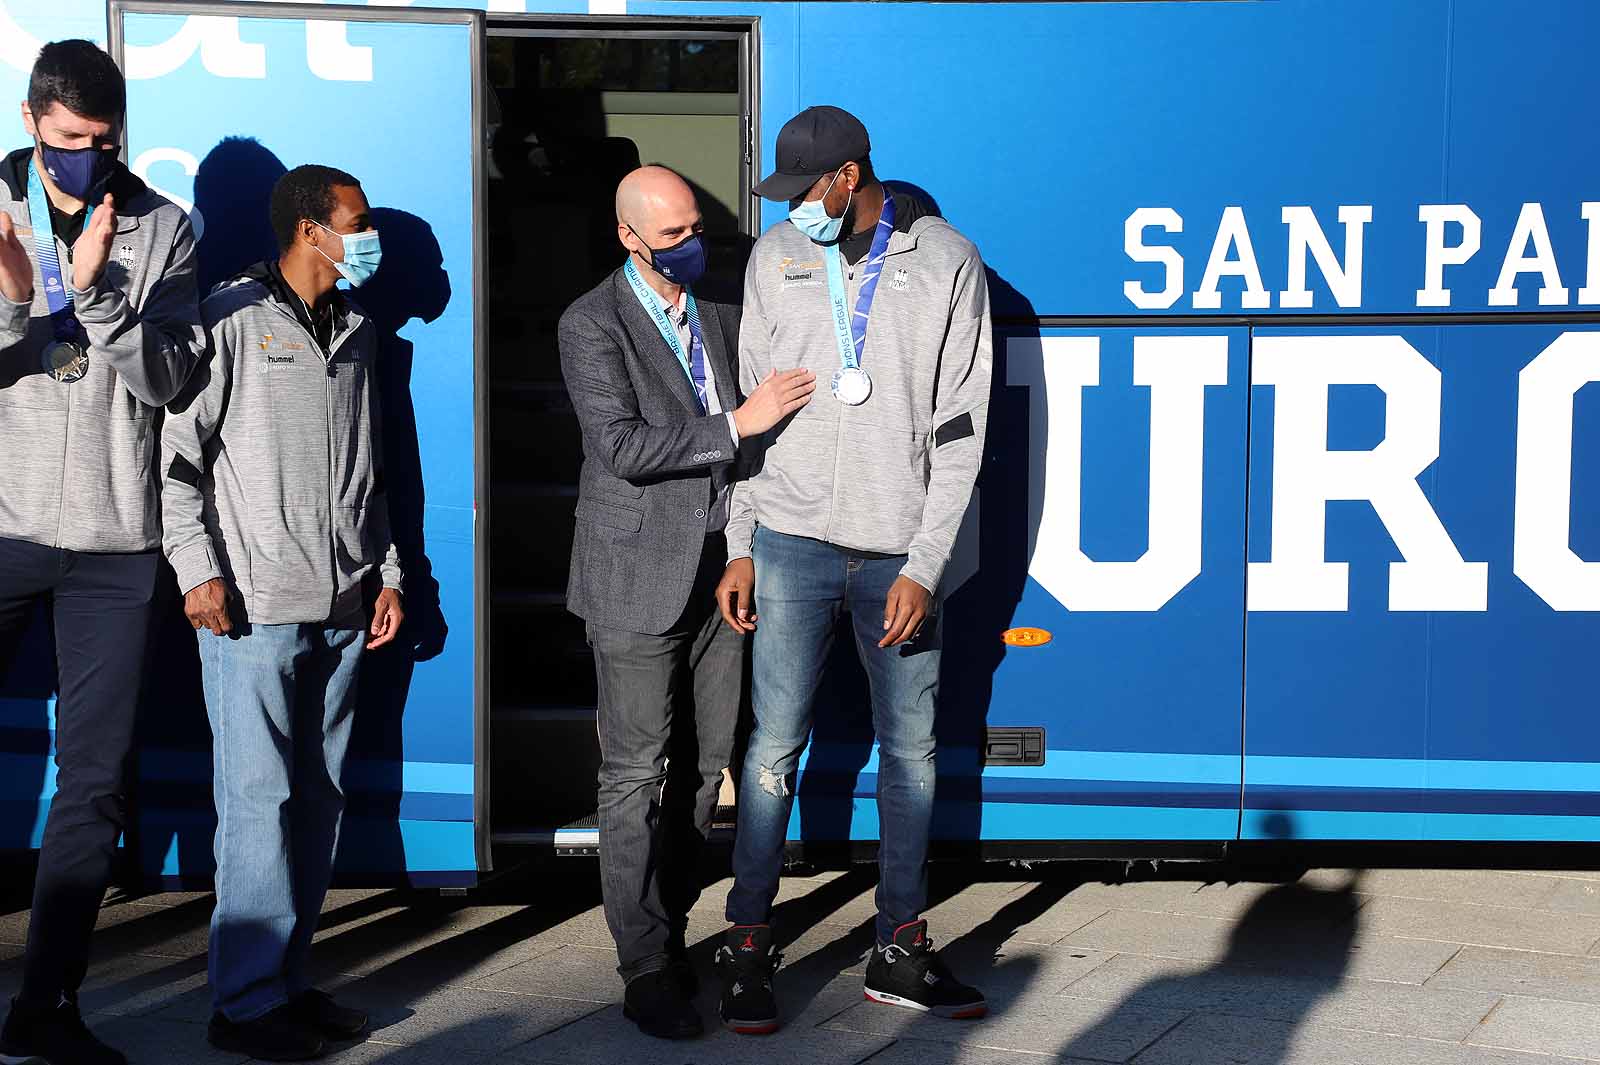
648,361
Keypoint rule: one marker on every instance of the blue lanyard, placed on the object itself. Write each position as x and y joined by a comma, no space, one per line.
850,331
693,361
56,294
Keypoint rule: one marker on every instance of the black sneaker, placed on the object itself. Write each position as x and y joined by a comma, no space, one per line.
748,959
908,972
318,1011
274,1036
656,1003
52,1036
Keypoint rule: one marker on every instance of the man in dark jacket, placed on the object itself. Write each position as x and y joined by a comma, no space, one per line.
648,361
99,327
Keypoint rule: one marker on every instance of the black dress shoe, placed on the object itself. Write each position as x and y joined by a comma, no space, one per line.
656,1003
53,1034
275,1036
318,1011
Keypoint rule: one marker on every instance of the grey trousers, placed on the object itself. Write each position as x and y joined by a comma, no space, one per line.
669,706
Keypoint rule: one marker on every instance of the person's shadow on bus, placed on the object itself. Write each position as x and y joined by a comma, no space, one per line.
412,284
170,809
233,196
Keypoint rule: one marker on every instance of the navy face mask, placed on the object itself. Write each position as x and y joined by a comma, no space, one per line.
78,172
683,264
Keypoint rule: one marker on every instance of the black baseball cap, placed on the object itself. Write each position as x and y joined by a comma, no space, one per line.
817,141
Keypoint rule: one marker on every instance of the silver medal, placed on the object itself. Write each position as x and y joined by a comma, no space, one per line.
851,385
65,360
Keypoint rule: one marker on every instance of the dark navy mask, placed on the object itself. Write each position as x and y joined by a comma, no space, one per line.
79,172
683,264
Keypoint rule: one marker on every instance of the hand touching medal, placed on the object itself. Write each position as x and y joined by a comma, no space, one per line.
93,249
16,270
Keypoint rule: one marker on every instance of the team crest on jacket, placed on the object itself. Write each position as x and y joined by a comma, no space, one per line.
899,282
127,256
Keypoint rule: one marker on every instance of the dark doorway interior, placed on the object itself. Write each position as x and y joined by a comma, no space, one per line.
568,116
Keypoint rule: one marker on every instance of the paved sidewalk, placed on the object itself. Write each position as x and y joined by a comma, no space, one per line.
1448,967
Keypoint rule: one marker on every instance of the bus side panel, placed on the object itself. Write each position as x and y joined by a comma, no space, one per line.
1138,691
1040,128
1385,719
392,104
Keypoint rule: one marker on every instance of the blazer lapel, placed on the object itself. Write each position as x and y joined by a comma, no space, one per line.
652,345
717,356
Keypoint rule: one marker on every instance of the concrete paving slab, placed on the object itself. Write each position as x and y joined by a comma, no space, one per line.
374,1052
1486,926
1486,887
461,1018
148,1041
906,1051
1542,1026
134,985
1217,1040
1521,972
1057,1024
1575,896
1399,1009
1320,950
608,1038
588,974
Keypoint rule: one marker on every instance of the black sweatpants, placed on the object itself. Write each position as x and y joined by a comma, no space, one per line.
100,610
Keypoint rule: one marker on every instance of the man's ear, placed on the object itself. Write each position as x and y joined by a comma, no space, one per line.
28,125
309,232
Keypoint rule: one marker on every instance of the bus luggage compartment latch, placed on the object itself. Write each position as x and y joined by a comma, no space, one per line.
1013,745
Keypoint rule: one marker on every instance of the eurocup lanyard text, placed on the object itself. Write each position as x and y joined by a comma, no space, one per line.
850,382
67,357
693,361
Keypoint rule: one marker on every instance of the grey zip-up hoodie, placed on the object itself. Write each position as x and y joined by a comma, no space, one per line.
76,466
894,475
275,480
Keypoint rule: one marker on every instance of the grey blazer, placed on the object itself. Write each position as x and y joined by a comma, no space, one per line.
652,463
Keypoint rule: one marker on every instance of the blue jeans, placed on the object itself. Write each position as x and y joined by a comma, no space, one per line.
281,699
802,588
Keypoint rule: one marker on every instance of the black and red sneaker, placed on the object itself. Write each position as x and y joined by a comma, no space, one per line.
908,972
747,959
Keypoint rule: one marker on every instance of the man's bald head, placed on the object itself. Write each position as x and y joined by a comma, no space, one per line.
656,209
651,190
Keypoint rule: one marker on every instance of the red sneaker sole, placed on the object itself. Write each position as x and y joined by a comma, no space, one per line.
753,1029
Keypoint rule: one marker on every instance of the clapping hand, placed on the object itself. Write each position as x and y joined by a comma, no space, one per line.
93,249
16,269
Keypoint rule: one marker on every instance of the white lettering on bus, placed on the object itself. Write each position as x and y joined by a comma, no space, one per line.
1177,370
1306,473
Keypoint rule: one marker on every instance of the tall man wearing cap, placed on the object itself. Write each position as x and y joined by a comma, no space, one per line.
99,327
853,509
648,361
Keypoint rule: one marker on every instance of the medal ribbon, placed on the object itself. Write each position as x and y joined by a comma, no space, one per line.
694,361
850,331
56,293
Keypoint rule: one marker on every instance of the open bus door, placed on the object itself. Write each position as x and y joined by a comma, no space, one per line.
222,100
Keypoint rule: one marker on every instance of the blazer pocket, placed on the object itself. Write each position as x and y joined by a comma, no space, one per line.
611,515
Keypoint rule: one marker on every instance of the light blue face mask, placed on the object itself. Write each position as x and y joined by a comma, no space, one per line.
362,253
813,219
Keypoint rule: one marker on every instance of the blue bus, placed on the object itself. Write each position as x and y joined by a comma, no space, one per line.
1289,524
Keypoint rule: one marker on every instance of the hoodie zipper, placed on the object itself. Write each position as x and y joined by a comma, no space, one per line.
329,376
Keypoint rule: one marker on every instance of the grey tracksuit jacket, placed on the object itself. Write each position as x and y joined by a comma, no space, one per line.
75,459
274,479
895,474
